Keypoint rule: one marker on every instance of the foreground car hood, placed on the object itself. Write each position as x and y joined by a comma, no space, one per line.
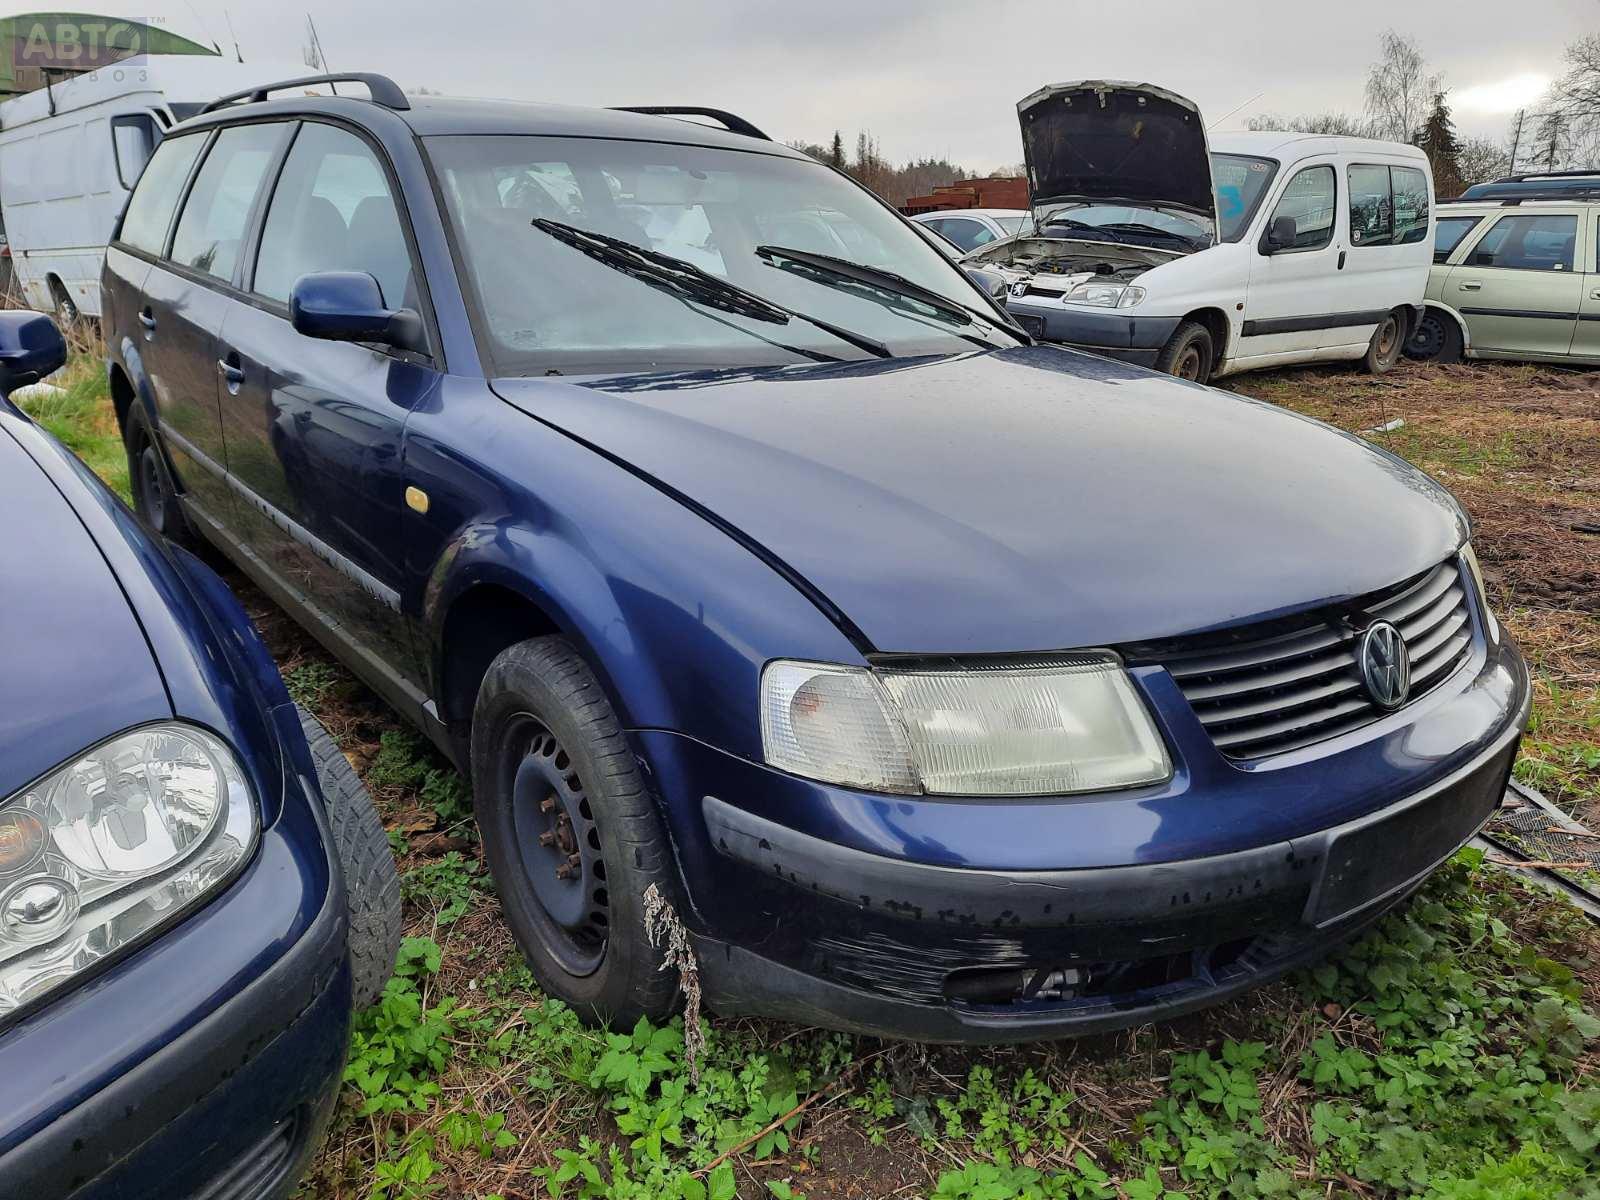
1106,141
74,664
1016,500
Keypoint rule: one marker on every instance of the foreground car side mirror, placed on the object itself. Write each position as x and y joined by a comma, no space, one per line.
347,306
30,348
992,285
1281,235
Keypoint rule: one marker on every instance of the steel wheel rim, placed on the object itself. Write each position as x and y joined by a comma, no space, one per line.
1189,364
1428,340
1388,337
153,489
557,846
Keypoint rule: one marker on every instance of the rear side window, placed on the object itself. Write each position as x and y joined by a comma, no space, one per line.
1388,205
1309,198
1448,233
966,233
333,211
1528,243
214,217
144,225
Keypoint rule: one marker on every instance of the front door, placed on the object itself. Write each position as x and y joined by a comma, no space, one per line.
1518,288
1286,307
314,427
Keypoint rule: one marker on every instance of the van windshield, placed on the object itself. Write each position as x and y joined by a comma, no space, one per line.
1240,181
550,299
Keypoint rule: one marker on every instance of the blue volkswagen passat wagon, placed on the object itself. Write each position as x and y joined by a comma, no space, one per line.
177,938
752,563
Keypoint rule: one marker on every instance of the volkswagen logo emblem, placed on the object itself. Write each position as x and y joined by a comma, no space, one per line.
1385,665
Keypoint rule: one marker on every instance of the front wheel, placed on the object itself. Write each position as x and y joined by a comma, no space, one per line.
1436,339
1383,351
572,835
1189,353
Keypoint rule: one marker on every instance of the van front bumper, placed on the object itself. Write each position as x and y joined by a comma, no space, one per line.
1111,332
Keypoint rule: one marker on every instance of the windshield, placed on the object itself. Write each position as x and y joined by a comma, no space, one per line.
555,303
1240,181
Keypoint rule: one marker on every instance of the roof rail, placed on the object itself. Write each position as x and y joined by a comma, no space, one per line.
1586,173
383,90
1574,192
730,122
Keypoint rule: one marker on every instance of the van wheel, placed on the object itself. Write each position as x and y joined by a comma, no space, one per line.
572,836
1435,339
154,498
1189,354
66,311
1387,341
371,881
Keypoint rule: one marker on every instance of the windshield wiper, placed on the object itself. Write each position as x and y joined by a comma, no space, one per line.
834,269
688,281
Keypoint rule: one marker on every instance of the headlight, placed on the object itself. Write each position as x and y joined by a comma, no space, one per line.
1072,724
1106,295
1475,569
96,854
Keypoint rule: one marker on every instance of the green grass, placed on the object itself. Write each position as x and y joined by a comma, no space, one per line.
79,414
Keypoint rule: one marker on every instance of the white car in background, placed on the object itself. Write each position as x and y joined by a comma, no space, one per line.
971,228
1257,250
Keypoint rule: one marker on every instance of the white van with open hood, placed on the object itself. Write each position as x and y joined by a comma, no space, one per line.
1257,250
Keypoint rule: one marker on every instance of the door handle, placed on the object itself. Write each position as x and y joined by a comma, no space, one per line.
232,372
1472,285
1594,294
147,318
1341,260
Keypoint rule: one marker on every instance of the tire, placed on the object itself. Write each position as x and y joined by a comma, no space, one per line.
67,313
1189,353
1437,338
1383,351
572,835
371,882
154,498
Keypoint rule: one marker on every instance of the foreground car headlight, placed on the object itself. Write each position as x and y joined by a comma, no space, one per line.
1069,724
119,841
1475,569
1106,295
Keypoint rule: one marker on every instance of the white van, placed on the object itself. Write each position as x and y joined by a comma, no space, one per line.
70,155
1257,250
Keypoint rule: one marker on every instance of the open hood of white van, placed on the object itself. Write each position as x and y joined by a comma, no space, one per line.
1108,142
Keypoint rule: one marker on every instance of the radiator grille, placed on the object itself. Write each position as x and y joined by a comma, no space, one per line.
1268,691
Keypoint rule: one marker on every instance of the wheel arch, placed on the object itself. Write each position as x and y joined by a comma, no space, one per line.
1440,307
1216,324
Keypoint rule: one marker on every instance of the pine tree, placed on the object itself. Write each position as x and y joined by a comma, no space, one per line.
1438,141
836,152
1551,139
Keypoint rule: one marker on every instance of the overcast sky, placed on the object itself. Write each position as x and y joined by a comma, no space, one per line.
926,77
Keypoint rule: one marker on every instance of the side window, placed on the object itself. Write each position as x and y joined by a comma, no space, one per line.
1447,235
1409,189
1309,198
213,222
332,211
133,137
150,208
1371,207
966,233
1529,243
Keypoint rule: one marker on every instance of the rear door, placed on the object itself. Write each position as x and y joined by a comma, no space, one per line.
1288,299
1586,338
183,304
313,428
1389,256
1518,287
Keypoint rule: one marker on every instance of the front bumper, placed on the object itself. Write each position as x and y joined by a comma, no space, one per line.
1163,903
1111,332
207,1062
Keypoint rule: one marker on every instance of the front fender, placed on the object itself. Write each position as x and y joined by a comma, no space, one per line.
1440,306
675,616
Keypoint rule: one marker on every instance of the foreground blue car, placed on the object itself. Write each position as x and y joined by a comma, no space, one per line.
756,567
175,941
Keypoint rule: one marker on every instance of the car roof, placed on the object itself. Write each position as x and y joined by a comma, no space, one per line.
1468,208
437,116
1276,143
974,212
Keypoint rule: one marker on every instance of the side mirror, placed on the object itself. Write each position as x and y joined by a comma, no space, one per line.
347,306
1281,234
30,348
992,284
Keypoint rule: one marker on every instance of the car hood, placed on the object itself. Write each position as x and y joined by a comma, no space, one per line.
1107,142
1019,500
74,663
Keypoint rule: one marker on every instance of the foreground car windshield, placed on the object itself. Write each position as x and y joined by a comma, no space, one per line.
548,305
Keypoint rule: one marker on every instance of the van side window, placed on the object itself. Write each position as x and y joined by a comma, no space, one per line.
213,222
1388,205
133,137
1408,187
332,211
1528,243
150,208
1309,198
